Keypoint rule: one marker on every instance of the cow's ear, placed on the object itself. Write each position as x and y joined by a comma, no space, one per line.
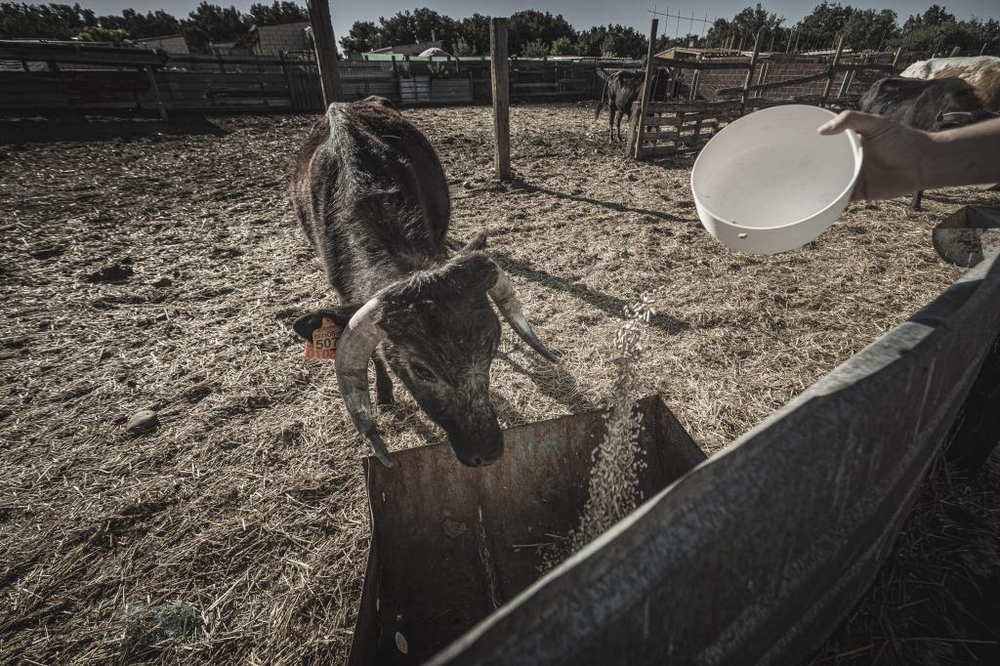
477,244
306,324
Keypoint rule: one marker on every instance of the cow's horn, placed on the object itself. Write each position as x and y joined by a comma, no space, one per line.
355,348
502,293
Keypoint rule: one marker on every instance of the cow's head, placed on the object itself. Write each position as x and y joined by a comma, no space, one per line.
439,334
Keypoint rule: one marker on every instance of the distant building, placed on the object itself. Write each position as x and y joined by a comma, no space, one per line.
409,49
169,43
228,48
273,39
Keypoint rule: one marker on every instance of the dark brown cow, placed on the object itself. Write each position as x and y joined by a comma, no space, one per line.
372,199
621,90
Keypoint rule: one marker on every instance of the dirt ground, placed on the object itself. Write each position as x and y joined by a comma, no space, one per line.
151,266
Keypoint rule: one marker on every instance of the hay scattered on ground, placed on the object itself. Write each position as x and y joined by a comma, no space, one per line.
937,599
158,267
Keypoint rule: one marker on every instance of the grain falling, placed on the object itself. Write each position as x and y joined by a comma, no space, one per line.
613,490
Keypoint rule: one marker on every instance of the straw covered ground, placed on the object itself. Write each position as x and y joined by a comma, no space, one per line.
158,267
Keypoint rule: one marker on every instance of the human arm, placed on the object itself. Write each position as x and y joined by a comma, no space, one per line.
901,160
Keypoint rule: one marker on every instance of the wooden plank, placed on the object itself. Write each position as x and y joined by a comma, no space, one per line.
776,84
755,555
78,53
833,69
750,69
499,65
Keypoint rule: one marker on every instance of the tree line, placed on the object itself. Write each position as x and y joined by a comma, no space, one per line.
207,23
531,33
935,30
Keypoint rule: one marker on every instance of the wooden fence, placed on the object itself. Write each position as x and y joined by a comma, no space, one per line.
702,96
70,77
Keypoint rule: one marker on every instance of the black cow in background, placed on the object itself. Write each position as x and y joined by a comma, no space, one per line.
925,104
621,89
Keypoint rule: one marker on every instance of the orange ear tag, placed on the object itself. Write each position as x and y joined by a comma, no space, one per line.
324,341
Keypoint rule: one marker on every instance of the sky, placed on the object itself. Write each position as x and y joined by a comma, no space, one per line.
581,14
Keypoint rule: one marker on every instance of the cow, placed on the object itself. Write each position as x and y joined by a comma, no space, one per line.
370,195
927,105
981,72
621,89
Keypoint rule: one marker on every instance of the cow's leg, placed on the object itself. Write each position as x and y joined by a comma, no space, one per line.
383,385
611,123
915,201
620,116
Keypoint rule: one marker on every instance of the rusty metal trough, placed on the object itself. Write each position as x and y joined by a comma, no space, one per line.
450,543
752,556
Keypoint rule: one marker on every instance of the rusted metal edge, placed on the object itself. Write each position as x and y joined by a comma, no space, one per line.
756,554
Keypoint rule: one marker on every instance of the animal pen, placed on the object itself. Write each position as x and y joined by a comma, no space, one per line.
688,100
767,543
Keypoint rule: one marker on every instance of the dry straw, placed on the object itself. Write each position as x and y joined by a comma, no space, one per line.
237,532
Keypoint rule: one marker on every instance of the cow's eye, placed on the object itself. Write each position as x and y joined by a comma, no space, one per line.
422,372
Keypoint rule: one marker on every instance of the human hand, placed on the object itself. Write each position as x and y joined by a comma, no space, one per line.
894,154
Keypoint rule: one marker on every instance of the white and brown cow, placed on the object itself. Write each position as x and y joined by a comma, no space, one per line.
981,72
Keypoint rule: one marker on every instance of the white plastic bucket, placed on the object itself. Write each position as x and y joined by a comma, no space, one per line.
768,182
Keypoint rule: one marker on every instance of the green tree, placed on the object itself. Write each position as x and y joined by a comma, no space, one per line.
462,49
420,25
364,36
623,42
588,42
152,24
475,32
52,21
211,23
534,49
562,46
937,31
278,13
109,35
526,26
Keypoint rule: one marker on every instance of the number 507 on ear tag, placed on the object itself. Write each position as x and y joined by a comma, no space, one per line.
324,341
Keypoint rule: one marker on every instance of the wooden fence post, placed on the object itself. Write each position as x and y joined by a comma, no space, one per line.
499,67
750,69
647,83
833,70
156,91
695,79
326,51
895,59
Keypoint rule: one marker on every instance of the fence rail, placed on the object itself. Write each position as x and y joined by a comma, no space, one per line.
48,77
76,78
700,97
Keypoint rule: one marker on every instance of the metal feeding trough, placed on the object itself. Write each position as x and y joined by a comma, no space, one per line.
450,544
965,237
